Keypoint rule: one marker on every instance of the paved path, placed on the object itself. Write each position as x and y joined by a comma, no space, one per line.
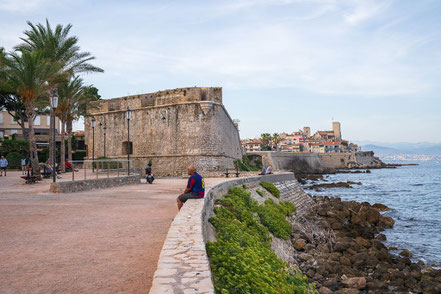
104,241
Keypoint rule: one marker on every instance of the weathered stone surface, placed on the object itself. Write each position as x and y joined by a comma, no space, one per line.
85,185
172,128
299,244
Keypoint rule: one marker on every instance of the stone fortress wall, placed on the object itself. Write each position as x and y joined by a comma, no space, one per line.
172,128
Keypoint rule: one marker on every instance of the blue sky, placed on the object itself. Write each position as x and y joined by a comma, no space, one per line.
375,66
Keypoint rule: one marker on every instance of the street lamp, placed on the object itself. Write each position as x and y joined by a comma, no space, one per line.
128,117
54,104
93,144
104,132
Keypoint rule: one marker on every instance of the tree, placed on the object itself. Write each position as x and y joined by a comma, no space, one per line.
58,47
265,138
27,73
276,139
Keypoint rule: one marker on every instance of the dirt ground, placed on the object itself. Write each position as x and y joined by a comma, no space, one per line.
103,241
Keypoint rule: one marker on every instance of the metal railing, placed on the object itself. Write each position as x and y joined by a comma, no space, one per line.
101,168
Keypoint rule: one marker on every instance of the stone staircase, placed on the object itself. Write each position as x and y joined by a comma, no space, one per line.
292,191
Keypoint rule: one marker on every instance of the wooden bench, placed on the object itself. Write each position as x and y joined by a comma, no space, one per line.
232,171
31,179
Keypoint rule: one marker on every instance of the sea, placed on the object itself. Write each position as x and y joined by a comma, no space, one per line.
414,195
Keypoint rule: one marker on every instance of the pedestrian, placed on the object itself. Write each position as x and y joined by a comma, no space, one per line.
195,187
23,166
3,165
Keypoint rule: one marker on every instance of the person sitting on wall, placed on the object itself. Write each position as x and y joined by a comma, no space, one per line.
195,187
269,170
263,172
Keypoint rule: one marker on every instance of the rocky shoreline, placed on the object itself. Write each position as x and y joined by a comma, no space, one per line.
339,246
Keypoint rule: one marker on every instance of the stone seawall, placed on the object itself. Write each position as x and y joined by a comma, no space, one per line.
183,265
84,185
318,162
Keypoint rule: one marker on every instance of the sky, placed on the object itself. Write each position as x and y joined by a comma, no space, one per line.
372,65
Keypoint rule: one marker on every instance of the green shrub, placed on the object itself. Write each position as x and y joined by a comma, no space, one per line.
245,165
244,186
241,258
14,160
260,192
271,188
78,155
273,216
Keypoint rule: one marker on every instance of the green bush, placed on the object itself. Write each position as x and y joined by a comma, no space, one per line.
241,258
43,155
260,192
244,186
245,165
271,188
78,155
14,160
273,216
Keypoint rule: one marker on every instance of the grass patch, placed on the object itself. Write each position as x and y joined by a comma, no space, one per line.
271,188
241,258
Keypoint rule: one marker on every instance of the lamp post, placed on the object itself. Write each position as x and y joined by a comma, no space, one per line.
104,132
93,144
128,116
54,102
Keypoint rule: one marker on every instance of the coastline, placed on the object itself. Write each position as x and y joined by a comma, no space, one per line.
377,268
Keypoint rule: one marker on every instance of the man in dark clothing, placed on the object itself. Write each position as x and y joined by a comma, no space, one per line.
195,187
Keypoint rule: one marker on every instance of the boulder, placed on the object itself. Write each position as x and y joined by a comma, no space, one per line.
362,242
380,207
355,283
304,256
386,221
324,290
299,244
406,253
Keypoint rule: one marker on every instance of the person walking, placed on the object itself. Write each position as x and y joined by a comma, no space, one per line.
23,166
3,165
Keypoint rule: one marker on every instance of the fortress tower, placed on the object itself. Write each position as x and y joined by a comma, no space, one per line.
337,130
172,128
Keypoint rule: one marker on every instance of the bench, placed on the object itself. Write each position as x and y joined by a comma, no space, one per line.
31,179
232,171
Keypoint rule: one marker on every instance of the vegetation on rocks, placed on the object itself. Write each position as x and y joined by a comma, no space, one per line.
241,258
245,164
271,188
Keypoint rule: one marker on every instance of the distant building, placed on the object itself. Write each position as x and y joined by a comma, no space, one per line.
249,145
9,127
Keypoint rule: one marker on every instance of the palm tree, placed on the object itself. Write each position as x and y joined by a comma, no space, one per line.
70,96
27,72
59,47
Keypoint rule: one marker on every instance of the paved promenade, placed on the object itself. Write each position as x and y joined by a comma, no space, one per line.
102,241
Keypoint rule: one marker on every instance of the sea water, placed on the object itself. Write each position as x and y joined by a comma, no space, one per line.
414,195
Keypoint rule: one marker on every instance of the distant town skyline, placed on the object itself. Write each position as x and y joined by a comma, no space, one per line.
372,65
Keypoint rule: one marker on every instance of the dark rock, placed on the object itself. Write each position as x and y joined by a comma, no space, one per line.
356,282
344,260
386,221
406,253
380,207
381,237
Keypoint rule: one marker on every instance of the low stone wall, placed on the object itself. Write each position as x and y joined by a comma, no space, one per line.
84,185
183,265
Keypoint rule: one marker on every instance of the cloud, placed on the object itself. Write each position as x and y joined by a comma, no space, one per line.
20,6
364,10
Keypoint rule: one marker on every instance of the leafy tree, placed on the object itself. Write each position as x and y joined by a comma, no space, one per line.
27,73
276,139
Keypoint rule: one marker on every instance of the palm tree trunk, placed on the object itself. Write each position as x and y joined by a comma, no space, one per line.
69,140
32,143
63,147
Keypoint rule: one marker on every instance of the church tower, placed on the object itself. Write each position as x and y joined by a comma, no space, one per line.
337,130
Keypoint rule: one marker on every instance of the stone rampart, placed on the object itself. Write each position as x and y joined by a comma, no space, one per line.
183,265
84,185
317,162
172,129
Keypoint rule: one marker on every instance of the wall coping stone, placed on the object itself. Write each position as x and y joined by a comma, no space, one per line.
91,184
183,265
